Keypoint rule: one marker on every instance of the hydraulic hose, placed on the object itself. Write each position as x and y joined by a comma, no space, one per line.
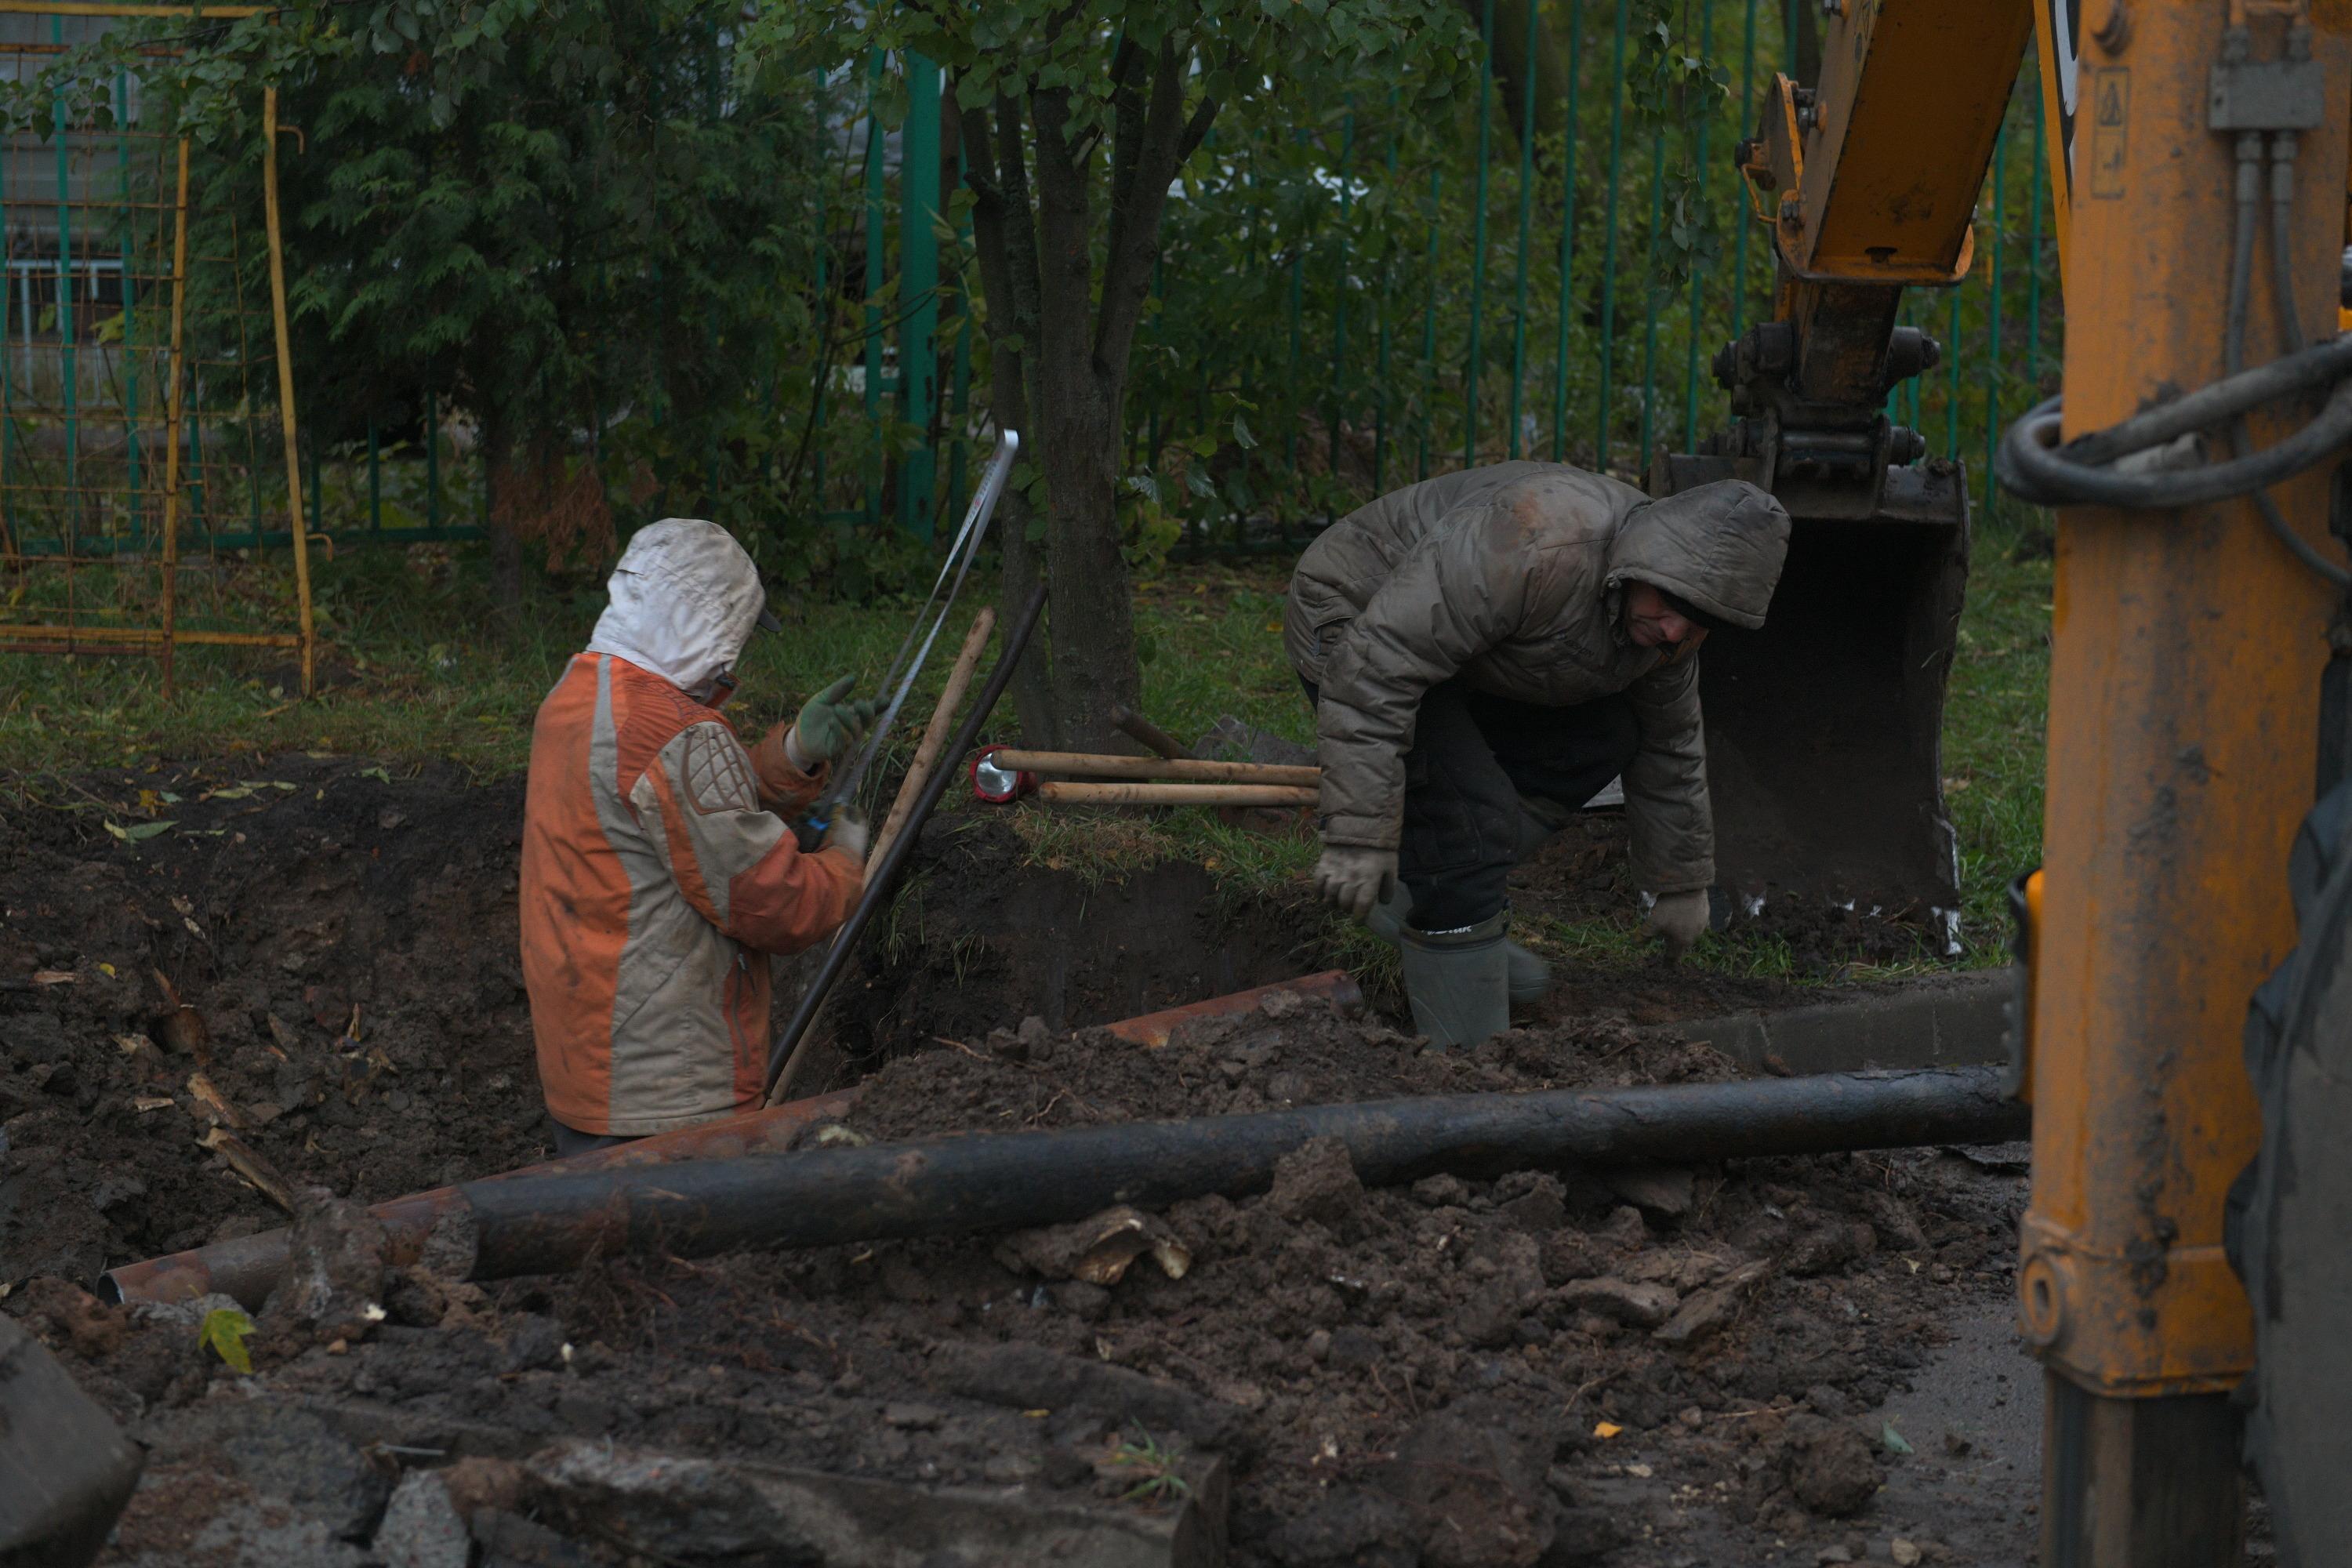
2033,465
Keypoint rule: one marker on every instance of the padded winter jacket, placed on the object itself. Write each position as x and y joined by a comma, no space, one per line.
657,867
1512,577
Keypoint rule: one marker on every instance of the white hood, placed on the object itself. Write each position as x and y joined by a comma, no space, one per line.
684,599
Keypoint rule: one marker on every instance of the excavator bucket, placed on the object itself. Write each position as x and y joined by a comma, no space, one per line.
1823,730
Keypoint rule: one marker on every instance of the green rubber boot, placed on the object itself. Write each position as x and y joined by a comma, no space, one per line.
1530,977
1459,982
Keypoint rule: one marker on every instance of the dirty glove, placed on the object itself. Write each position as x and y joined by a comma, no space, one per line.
847,833
1679,918
1355,879
828,724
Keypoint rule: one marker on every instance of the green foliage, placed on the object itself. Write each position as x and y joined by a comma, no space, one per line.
224,1333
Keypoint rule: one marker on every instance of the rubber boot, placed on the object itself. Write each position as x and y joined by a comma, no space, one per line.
1531,980
1458,982
1530,977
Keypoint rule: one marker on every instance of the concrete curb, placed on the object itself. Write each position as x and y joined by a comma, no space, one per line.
1935,1023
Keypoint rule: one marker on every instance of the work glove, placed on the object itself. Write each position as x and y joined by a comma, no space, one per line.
829,724
846,833
1679,918
1354,878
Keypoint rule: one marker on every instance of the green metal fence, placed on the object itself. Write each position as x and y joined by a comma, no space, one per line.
1556,296
1360,293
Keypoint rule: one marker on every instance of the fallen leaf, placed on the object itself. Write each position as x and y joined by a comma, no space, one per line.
140,830
147,1102
223,1333
55,977
107,970
230,791
1606,1429
1893,1442
378,774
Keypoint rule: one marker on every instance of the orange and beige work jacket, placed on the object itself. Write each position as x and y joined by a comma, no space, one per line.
656,871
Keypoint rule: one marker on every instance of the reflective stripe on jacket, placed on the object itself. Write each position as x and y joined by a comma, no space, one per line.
657,873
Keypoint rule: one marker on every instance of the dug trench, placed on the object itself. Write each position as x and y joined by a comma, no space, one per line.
316,959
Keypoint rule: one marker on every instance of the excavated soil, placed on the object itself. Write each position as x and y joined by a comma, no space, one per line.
1662,1367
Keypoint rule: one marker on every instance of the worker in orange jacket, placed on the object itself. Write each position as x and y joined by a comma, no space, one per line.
657,865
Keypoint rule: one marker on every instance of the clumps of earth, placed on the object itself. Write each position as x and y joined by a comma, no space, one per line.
1674,1365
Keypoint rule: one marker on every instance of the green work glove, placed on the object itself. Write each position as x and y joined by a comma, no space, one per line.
828,725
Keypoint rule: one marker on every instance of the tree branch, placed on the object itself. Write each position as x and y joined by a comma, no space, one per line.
1168,138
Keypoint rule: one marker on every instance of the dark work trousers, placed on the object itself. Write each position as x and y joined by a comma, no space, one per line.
570,1140
1473,755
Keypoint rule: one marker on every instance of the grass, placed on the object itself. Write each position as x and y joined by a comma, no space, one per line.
420,668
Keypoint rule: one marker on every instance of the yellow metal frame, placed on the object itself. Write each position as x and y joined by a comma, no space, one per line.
164,640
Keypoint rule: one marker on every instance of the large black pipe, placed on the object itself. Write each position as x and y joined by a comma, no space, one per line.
879,878
993,1181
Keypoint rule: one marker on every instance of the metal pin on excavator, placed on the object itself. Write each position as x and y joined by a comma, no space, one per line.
2198,598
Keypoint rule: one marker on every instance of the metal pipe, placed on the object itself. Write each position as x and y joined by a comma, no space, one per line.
1056,793
250,1268
1106,765
1153,1029
884,872
956,1185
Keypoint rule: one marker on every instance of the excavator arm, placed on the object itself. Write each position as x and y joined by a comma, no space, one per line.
2200,680
1824,728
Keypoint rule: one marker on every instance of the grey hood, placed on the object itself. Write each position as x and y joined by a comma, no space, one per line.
1719,547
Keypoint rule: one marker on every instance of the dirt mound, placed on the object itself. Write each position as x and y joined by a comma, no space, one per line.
321,946
1539,1369
1292,1051
1545,1369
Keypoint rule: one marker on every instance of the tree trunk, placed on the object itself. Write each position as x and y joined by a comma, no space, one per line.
506,543
1079,397
1514,71
1006,243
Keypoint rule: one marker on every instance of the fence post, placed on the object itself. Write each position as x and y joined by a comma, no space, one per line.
68,362
1992,305
918,281
875,140
1609,230
1650,305
1339,295
1527,213
1740,218
1568,234
1381,352
1429,324
2034,251
1478,235
1698,272
130,301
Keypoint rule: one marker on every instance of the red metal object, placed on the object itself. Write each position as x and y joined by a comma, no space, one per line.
248,1268
1336,985
999,786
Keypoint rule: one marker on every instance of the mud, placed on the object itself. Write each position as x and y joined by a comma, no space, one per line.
1642,1369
